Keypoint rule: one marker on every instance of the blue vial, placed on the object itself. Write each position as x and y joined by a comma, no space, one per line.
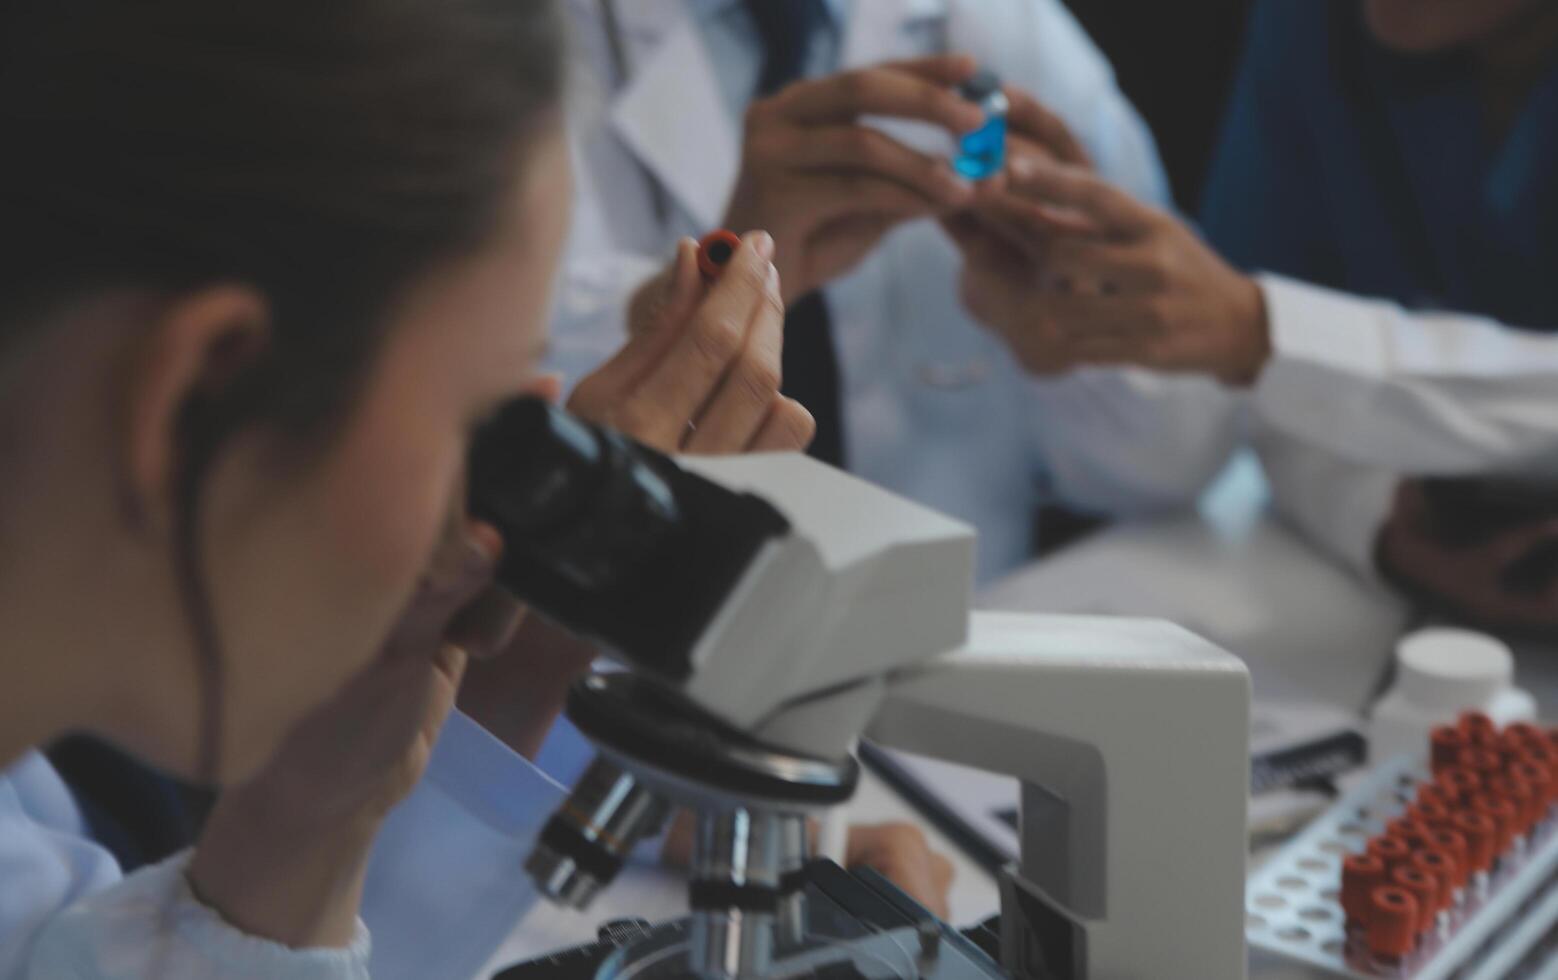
982,153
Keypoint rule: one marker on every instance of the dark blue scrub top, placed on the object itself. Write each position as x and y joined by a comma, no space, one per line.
1349,166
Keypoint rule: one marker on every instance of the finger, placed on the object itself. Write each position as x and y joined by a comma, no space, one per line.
999,183
1123,322
676,852
1113,210
1029,117
651,332
1008,231
1037,220
714,339
460,569
870,151
789,427
487,624
451,660
1511,546
548,387
942,870
996,280
898,91
1070,262
837,195
942,69
741,402
686,288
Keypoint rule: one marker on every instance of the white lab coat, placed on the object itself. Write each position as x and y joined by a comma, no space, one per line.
933,405
1360,393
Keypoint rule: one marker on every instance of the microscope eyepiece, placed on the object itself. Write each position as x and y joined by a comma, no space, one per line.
577,498
610,539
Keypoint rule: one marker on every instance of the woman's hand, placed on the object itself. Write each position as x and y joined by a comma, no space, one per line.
283,855
700,372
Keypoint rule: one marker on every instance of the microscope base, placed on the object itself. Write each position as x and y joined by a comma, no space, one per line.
873,931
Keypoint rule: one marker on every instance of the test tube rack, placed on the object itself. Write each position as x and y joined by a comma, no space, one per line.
1503,924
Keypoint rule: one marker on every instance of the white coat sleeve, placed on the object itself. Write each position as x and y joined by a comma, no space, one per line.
1419,393
446,885
47,861
1336,504
67,914
150,925
1133,443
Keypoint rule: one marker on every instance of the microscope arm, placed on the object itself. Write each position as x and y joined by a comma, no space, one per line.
1130,741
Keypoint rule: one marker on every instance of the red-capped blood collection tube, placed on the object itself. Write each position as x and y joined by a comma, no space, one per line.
1502,812
1541,780
1482,837
1445,744
715,250
1410,829
1460,783
1478,728
1484,762
1453,844
1432,791
1361,875
1442,869
1430,814
1528,807
1542,755
1423,887
1392,922
1392,851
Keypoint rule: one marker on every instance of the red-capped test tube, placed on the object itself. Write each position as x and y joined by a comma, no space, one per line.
1392,922
715,250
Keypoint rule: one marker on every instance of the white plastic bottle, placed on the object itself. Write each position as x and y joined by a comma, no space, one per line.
1440,673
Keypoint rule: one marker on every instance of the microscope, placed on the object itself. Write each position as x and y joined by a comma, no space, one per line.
768,611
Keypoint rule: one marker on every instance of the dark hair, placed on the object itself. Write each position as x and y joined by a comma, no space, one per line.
322,152
325,153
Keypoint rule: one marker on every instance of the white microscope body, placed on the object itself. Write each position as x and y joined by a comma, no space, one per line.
1129,737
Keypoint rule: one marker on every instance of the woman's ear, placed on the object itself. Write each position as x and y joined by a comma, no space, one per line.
195,348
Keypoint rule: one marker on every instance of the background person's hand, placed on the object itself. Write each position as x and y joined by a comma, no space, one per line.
900,852
283,855
1003,261
1033,133
1479,582
829,187
701,370
1110,281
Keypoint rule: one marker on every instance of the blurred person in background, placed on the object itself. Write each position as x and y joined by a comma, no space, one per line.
809,118
1390,170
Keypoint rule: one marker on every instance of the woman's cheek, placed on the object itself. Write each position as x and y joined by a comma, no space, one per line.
390,507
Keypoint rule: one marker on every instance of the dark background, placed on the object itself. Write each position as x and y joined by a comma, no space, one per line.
1175,59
